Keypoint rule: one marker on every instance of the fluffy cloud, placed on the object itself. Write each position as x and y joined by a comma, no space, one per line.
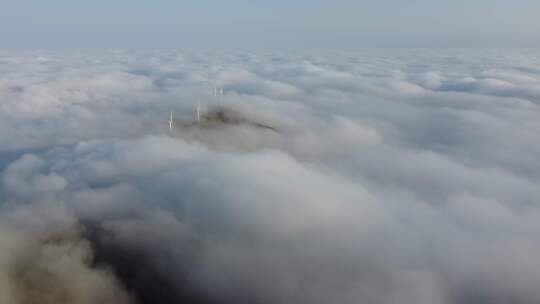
385,177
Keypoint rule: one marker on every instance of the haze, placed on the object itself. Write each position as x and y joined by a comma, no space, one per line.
269,24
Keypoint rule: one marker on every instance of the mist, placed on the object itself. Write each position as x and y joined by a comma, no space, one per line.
370,176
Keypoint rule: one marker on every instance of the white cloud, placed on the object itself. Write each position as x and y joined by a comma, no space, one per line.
385,177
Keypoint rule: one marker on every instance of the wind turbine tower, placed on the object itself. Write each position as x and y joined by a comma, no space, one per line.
218,94
198,113
171,122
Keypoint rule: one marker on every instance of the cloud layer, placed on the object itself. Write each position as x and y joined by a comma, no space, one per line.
405,176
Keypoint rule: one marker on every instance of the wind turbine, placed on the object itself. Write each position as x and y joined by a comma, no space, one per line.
218,94
198,112
171,122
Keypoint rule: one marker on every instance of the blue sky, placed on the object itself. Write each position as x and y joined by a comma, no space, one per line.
265,23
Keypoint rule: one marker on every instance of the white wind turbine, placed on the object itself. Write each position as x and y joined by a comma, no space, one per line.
171,122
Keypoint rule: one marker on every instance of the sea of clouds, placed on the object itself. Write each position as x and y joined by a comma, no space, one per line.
392,176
